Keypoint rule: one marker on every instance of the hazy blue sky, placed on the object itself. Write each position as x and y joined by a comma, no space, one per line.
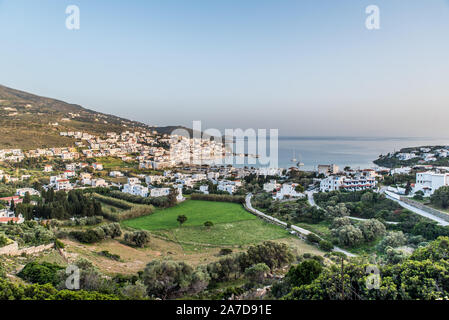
305,67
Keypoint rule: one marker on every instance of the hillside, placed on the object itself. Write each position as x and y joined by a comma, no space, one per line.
29,121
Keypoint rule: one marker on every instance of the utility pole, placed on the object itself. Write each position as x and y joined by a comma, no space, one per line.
342,281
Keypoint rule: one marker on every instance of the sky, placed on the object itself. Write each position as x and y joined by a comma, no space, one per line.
307,68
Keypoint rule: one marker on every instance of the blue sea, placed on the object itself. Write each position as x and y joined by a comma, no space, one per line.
356,152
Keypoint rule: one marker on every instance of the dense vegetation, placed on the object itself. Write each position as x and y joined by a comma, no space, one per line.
160,202
291,211
29,233
60,205
424,275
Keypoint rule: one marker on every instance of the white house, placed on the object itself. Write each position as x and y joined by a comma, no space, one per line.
69,174
70,166
31,191
135,189
213,175
406,156
133,181
429,181
159,192
7,216
270,186
99,183
331,183
154,179
204,189
288,190
63,184
48,168
115,174
97,166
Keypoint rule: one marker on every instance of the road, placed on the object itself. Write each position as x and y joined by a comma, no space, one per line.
302,231
419,211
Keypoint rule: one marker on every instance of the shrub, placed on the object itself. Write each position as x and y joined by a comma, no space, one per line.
256,273
97,234
313,238
59,244
218,197
138,238
326,245
41,273
109,255
225,251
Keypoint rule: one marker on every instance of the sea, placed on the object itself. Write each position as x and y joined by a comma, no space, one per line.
356,152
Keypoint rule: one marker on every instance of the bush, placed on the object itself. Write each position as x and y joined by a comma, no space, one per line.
256,273
3,240
138,238
97,234
218,197
225,251
109,255
326,245
41,273
59,244
313,238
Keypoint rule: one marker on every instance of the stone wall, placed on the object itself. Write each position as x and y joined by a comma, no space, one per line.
9,249
427,209
13,249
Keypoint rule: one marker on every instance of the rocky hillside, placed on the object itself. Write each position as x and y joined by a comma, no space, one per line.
30,121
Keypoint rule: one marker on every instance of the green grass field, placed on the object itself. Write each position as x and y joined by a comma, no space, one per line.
197,212
233,225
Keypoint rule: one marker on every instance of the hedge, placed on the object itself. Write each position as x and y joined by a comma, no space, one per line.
218,198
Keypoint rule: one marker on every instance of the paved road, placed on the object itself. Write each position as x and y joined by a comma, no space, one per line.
302,231
419,211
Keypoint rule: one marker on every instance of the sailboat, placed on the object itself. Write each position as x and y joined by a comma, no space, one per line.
294,156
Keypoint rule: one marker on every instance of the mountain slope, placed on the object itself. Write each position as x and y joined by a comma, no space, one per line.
30,121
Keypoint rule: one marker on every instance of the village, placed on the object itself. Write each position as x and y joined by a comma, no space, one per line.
167,160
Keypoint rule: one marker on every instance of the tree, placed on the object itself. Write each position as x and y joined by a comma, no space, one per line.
440,197
256,273
408,188
208,224
274,255
299,188
170,279
393,239
337,211
326,245
348,236
181,219
419,195
137,291
372,229
304,273
27,198
138,238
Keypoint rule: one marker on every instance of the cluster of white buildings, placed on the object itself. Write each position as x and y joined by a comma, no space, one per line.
135,187
428,182
8,215
354,181
282,191
425,154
